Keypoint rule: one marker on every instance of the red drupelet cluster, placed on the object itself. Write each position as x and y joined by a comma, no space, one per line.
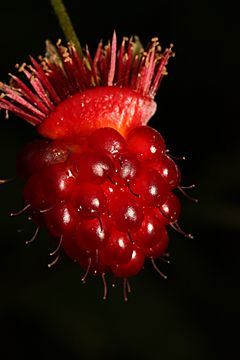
100,179
105,198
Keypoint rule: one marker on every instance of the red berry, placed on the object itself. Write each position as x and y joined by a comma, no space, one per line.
107,203
171,208
89,200
160,248
94,167
58,182
109,140
34,193
61,220
132,267
39,154
169,171
93,234
150,187
127,168
118,250
150,231
125,210
102,181
147,143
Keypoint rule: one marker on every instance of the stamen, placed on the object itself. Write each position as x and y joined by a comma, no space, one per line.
65,71
112,67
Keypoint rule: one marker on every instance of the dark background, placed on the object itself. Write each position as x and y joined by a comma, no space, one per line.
195,313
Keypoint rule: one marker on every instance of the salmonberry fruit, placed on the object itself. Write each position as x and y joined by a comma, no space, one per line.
109,140
100,178
93,234
150,232
126,210
160,247
146,143
89,200
94,167
61,220
169,171
118,250
132,267
151,187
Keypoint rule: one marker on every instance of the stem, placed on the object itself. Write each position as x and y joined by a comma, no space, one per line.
66,24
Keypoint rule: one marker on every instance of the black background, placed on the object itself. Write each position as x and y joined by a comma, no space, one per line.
195,313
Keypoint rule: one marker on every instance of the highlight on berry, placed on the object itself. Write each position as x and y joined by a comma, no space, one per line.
99,178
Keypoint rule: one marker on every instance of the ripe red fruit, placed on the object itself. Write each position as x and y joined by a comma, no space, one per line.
150,231
132,267
93,234
100,180
150,187
125,210
108,140
33,193
127,168
89,200
118,250
61,220
169,171
92,166
171,208
58,182
146,143
160,248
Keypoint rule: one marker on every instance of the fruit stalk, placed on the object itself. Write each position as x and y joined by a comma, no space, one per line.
66,24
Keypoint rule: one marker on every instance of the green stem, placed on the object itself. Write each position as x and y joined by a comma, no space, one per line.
66,24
